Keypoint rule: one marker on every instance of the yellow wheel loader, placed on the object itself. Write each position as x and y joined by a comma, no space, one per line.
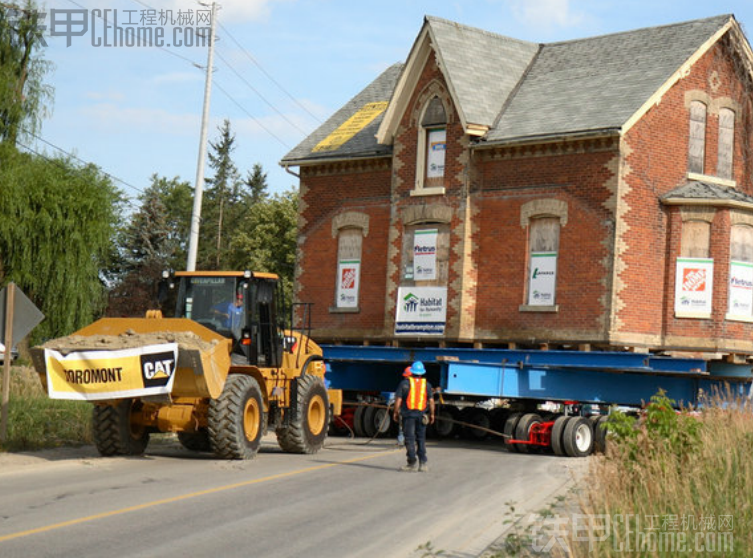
219,374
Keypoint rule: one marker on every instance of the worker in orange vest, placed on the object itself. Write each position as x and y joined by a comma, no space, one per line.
412,400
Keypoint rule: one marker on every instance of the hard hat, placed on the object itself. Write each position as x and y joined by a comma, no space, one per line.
417,368
406,372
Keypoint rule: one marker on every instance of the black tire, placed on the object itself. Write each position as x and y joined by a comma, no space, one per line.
443,426
556,437
308,417
195,441
370,423
475,417
236,419
523,431
115,433
600,433
358,423
578,437
510,425
499,417
382,421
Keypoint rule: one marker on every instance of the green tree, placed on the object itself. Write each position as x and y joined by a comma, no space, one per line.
256,185
267,239
57,225
23,95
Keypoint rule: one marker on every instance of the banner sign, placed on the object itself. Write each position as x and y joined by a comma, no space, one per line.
96,375
741,289
543,278
694,283
425,255
435,159
421,310
348,273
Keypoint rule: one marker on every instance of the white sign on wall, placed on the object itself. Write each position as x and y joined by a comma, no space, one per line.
694,285
741,289
421,310
348,273
425,255
435,157
543,278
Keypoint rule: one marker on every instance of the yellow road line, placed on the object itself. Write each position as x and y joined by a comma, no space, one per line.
130,509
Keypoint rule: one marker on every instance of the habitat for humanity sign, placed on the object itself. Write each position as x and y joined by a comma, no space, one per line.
421,310
694,282
96,375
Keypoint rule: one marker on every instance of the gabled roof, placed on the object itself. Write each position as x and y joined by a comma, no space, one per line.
507,90
351,132
600,82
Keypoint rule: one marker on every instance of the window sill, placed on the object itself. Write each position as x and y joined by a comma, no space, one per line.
738,318
712,179
439,191
692,315
534,308
336,310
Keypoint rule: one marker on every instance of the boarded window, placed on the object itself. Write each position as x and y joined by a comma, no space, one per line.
695,239
740,296
726,143
741,244
435,143
348,267
543,240
426,255
697,144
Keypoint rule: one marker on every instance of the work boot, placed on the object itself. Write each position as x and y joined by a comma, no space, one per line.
410,468
423,467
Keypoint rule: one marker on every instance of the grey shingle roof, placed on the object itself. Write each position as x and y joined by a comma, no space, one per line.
698,190
362,143
600,82
484,68
524,90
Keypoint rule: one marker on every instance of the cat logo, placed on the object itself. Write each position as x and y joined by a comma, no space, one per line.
157,368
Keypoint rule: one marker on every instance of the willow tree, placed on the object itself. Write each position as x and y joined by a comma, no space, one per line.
57,225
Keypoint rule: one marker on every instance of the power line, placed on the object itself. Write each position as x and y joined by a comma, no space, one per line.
270,132
273,80
252,88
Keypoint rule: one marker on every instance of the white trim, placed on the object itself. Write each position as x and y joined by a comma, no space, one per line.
436,191
712,179
682,72
736,318
692,315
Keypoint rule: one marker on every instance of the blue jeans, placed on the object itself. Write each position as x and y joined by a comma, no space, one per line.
415,434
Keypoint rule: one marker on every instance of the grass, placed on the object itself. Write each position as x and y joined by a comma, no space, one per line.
675,485
37,422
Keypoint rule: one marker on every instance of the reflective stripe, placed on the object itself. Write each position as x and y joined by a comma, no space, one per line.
417,395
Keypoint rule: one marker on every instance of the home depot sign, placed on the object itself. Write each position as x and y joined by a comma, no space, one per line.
694,282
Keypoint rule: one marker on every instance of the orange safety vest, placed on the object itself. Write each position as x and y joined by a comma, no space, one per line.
416,400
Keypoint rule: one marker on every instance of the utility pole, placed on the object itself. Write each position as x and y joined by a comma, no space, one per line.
193,239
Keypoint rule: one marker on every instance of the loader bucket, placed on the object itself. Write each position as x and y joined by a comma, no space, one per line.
203,356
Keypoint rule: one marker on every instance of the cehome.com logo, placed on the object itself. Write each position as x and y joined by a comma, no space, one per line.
410,302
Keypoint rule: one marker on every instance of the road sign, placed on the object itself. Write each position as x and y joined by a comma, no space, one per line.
26,316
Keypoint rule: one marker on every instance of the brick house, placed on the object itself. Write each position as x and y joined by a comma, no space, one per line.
594,192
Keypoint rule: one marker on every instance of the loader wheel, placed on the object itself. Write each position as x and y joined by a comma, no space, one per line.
195,441
236,419
114,430
306,428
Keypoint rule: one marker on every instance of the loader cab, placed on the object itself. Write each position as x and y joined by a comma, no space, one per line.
243,306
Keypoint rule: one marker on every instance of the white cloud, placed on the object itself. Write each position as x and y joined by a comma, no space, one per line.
546,13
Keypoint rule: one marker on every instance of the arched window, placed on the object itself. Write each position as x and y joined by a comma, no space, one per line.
543,248
726,143
697,143
432,144
349,241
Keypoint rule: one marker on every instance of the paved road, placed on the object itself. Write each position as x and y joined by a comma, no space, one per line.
347,500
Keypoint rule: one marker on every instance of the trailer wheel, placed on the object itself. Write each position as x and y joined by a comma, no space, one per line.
475,416
236,419
523,430
382,420
510,425
600,433
578,437
309,416
444,425
556,436
375,421
358,422
195,441
114,430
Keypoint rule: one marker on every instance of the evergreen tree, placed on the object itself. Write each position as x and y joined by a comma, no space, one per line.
256,185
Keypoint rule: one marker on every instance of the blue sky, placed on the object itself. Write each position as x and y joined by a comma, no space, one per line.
282,68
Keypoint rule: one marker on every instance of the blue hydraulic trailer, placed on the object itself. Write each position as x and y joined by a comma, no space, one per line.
526,379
